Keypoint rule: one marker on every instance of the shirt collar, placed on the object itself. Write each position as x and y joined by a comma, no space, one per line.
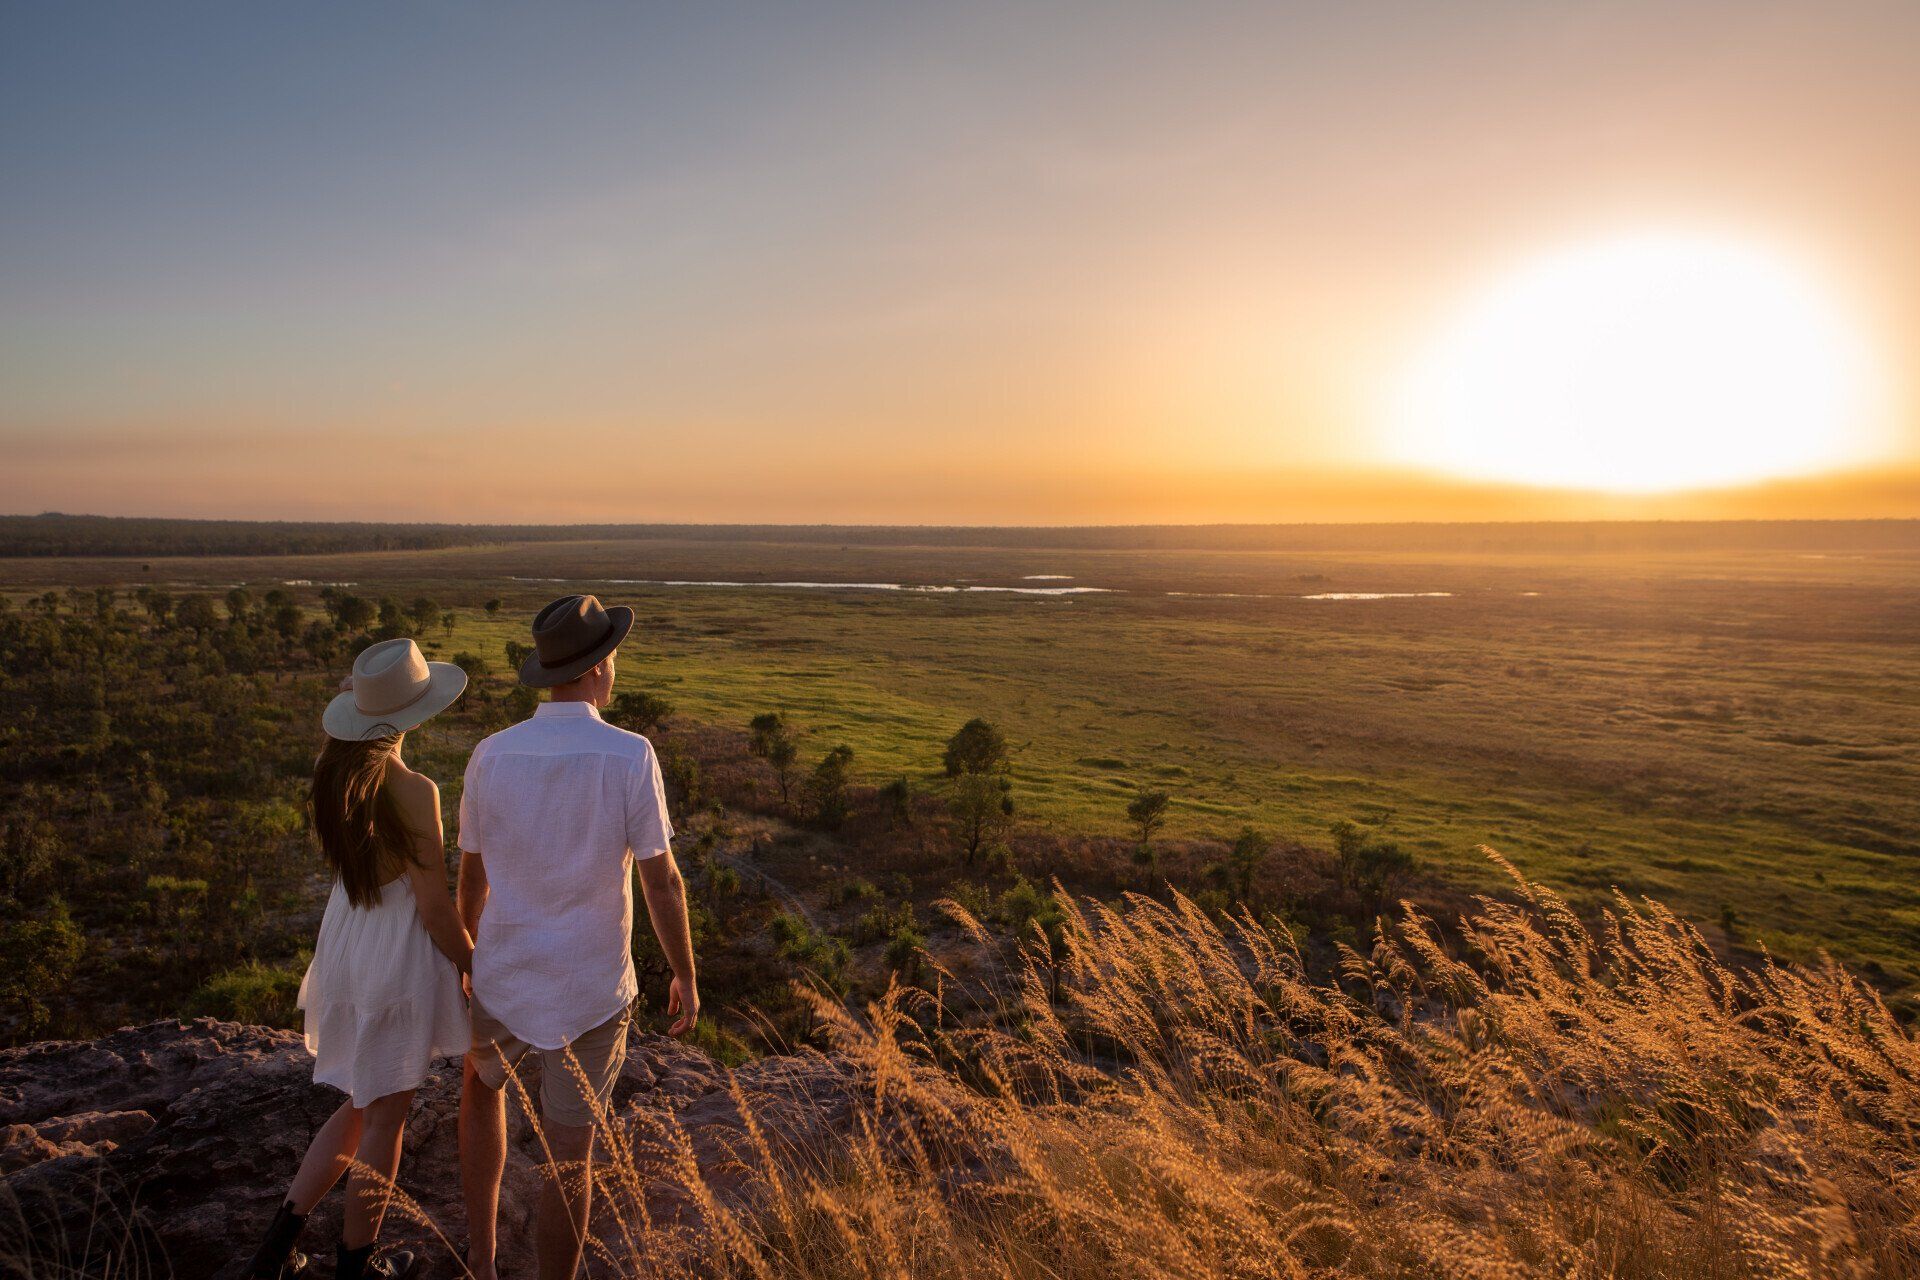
567,709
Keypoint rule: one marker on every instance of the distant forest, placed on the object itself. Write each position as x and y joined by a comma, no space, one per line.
56,534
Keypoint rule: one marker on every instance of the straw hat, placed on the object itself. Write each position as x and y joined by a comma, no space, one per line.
570,636
394,689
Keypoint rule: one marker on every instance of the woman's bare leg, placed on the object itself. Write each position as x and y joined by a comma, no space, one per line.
326,1158
384,1124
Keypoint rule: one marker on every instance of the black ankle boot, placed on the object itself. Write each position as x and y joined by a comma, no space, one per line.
351,1264
276,1258
360,1264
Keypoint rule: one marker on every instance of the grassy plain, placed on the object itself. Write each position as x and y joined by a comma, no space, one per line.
1737,734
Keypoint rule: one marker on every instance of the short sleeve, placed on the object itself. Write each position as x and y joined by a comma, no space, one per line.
472,836
649,831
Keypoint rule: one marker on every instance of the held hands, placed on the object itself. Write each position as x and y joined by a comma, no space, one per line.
683,998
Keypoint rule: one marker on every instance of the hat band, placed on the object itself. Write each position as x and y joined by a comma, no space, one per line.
579,653
426,687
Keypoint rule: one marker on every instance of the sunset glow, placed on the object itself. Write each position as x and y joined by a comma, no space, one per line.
1640,364
978,264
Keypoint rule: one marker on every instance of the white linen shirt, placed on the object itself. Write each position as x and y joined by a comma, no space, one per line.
558,807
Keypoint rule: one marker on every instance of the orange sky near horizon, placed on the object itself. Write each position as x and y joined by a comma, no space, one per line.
861,265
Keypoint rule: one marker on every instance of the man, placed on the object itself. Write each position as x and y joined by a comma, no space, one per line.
555,811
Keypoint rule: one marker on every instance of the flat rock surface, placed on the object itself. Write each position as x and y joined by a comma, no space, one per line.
199,1126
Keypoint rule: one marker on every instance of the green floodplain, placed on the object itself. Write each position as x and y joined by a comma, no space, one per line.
1735,733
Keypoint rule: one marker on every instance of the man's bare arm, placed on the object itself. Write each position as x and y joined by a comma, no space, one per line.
666,894
472,894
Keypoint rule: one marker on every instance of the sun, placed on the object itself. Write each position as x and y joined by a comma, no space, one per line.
1640,364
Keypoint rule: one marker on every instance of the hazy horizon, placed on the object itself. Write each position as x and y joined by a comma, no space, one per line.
980,266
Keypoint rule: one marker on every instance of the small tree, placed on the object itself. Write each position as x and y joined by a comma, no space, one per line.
982,809
493,606
896,800
1368,865
681,772
354,613
827,787
239,601
285,620
1243,862
477,669
321,641
423,612
773,741
640,712
1148,812
1349,843
516,652
37,959
521,702
30,845
979,747
198,613
1034,914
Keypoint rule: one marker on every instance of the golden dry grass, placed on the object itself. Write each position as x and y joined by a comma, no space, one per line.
1545,1099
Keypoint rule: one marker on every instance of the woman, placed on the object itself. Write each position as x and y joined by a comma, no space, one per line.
382,996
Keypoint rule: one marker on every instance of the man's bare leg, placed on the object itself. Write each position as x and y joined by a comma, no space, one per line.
483,1159
566,1200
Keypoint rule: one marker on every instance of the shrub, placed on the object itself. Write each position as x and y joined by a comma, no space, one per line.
640,711
896,801
855,890
680,770
906,949
881,922
820,954
1367,864
252,992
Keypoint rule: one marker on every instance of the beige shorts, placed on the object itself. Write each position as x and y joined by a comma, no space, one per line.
575,1081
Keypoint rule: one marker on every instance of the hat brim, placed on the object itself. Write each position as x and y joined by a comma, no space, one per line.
345,721
535,674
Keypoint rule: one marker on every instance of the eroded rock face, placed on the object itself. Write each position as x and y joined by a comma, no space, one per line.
201,1126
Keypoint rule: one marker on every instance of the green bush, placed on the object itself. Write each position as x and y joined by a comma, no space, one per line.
253,993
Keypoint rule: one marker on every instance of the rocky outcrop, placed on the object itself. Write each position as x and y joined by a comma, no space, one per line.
180,1138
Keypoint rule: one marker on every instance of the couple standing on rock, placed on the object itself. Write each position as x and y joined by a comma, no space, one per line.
554,811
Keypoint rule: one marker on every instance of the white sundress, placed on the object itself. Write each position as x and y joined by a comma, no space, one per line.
381,1000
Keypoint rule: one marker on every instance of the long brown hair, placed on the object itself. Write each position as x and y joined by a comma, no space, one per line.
357,823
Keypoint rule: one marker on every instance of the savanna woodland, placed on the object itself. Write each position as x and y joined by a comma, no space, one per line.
1108,1003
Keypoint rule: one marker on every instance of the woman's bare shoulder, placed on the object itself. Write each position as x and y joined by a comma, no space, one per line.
413,790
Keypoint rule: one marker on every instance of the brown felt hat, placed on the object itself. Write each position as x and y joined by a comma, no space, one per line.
570,636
